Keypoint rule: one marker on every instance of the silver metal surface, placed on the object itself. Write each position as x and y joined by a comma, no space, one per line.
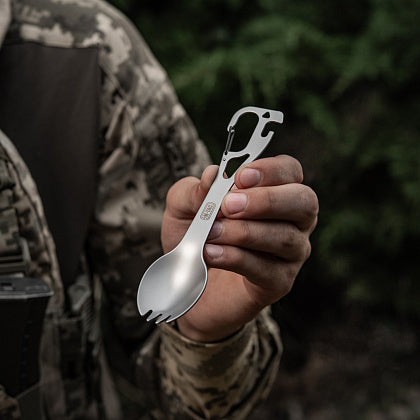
175,281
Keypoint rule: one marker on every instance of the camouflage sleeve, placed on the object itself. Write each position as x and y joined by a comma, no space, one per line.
220,380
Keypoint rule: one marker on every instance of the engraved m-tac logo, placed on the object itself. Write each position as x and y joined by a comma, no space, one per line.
207,211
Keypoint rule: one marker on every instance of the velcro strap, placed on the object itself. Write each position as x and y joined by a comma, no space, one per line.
14,252
9,232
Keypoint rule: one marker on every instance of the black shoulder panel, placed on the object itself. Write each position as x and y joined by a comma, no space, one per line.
49,108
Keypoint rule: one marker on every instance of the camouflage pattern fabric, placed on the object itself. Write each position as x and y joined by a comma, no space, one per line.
234,367
27,206
147,143
24,205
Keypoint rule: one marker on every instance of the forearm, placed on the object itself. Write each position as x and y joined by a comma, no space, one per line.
208,381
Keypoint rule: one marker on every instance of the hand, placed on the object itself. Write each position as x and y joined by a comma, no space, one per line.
256,246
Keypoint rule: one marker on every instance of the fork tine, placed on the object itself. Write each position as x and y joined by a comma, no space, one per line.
153,315
171,318
163,318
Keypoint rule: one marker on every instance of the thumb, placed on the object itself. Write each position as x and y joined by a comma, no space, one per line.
185,196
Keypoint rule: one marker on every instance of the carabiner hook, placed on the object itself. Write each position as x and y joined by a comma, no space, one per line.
257,141
230,137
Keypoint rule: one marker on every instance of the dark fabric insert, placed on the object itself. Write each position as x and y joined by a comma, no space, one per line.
49,108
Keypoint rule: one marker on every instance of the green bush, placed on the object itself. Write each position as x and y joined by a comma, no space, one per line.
346,75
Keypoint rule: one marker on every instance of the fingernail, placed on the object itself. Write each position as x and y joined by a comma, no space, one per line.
214,251
235,202
215,231
250,177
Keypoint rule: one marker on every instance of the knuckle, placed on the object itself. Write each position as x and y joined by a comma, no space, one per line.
289,236
294,168
309,202
178,187
171,199
272,199
171,192
287,285
237,259
298,171
296,243
245,235
285,275
307,250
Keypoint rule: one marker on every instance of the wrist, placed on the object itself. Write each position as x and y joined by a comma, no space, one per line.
223,309
205,335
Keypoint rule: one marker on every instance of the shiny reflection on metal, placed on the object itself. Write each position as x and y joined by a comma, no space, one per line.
174,282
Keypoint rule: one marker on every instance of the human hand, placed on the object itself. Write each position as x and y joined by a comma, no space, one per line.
255,248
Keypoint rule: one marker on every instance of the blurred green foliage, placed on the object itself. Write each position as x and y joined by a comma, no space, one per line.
346,75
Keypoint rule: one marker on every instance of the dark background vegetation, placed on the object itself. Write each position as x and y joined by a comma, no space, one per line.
346,76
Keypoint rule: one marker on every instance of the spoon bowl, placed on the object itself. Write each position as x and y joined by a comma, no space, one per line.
181,274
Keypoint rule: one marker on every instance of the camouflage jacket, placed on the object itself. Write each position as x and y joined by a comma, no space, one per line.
146,142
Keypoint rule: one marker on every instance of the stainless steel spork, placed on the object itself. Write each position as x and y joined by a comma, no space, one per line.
175,281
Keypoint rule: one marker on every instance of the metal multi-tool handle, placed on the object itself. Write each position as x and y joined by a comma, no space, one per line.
203,220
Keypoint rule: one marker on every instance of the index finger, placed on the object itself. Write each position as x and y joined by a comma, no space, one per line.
295,203
278,170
